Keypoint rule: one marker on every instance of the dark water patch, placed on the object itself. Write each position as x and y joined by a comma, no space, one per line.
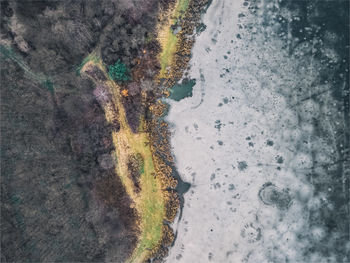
242,165
231,187
183,90
269,143
279,159
212,177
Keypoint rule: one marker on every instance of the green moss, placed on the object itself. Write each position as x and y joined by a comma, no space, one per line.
142,169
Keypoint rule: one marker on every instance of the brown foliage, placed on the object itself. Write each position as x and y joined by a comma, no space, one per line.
112,193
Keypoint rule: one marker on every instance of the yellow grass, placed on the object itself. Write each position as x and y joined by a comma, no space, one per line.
149,203
167,38
181,7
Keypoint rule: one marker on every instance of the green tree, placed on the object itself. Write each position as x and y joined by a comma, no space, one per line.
119,72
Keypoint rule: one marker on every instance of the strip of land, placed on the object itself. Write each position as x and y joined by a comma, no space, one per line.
149,201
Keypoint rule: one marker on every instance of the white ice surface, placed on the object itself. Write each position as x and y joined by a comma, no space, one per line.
223,218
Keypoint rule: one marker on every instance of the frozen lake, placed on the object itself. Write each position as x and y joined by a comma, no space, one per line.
264,138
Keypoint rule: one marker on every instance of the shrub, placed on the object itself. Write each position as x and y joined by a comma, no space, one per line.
119,72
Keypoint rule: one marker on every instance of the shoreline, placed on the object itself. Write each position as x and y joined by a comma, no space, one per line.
186,39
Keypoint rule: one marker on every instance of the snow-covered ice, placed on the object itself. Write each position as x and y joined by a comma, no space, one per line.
256,140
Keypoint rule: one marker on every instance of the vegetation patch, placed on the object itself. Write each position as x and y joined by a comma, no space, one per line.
49,85
119,72
91,57
170,41
167,53
180,9
133,151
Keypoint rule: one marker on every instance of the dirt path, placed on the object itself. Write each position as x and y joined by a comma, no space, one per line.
149,202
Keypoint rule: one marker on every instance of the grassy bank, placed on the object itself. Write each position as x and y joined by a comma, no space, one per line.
167,38
149,202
